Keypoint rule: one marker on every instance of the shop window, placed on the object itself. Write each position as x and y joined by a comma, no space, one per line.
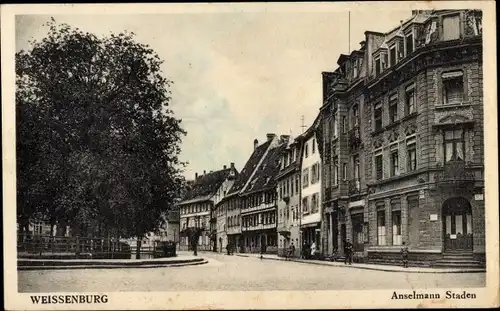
393,109
379,167
397,237
381,228
454,145
453,88
378,117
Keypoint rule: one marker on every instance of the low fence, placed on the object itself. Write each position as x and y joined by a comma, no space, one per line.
69,247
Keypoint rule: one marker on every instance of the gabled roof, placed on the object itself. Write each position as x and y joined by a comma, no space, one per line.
249,168
205,186
265,177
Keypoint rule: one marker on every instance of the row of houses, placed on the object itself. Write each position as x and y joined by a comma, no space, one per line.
394,155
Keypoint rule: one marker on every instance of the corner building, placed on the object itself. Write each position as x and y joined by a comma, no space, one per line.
408,111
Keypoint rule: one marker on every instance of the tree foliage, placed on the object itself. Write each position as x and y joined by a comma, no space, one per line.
97,144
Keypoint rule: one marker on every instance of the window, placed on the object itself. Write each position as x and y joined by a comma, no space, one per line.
393,108
356,167
378,117
451,27
335,171
305,178
297,183
394,163
306,150
378,67
305,205
381,227
314,203
454,145
315,173
344,124
392,55
355,116
335,125
453,87
397,237
409,43
410,100
378,167
291,186
313,145
355,69
412,154
344,171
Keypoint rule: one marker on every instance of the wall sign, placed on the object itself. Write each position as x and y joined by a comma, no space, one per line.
434,217
479,197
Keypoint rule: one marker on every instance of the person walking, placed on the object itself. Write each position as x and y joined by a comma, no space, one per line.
348,254
292,251
404,255
313,250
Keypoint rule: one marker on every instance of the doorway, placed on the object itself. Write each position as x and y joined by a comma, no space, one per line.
457,224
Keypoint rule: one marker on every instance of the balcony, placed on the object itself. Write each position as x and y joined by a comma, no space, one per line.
355,138
283,227
354,186
454,174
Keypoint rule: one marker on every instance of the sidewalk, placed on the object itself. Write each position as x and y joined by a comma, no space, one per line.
386,268
45,264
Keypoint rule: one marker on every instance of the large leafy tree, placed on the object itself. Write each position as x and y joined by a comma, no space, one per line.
97,144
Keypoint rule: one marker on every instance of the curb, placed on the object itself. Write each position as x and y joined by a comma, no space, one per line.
378,269
116,266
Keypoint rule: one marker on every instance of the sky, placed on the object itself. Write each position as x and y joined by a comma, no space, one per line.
237,75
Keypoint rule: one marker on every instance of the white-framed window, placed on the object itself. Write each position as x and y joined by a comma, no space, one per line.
305,205
305,178
410,100
411,149
393,54
454,145
381,238
393,108
394,162
397,237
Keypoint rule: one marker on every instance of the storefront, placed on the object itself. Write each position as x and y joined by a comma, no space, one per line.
311,233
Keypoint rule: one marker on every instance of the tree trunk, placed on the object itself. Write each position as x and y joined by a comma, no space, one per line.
138,251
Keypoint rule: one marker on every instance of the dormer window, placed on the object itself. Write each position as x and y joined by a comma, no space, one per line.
409,42
393,55
378,66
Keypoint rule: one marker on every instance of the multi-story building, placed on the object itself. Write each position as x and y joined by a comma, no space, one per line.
259,198
411,109
288,189
310,194
229,208
197,207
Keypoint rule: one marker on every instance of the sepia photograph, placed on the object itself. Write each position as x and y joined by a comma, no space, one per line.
250,155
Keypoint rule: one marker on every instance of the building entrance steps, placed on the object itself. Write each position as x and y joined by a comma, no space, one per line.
372,266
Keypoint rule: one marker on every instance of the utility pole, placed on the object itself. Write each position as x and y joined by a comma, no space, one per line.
303,126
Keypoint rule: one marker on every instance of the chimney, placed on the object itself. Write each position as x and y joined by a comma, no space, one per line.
270,136
224,167
232,165
284,138
255,143
195,176
362,44
204,172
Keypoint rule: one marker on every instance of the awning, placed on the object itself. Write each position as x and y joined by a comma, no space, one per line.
311,225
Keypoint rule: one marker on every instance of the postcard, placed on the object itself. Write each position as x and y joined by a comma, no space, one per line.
250,155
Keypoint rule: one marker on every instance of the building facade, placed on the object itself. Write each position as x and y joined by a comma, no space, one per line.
310,194
198,206
288,191
410,106
259,198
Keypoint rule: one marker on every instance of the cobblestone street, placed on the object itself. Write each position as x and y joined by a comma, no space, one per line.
237,273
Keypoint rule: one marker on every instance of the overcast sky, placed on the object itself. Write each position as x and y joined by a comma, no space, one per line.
237,76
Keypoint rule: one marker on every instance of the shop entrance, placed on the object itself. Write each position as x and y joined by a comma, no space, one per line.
457,224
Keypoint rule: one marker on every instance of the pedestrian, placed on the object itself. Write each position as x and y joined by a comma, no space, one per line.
220,243
292,250
348,252
228,248
262,250
313,250
404,255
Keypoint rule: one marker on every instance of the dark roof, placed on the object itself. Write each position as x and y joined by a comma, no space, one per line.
266,174
250,166
205,186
